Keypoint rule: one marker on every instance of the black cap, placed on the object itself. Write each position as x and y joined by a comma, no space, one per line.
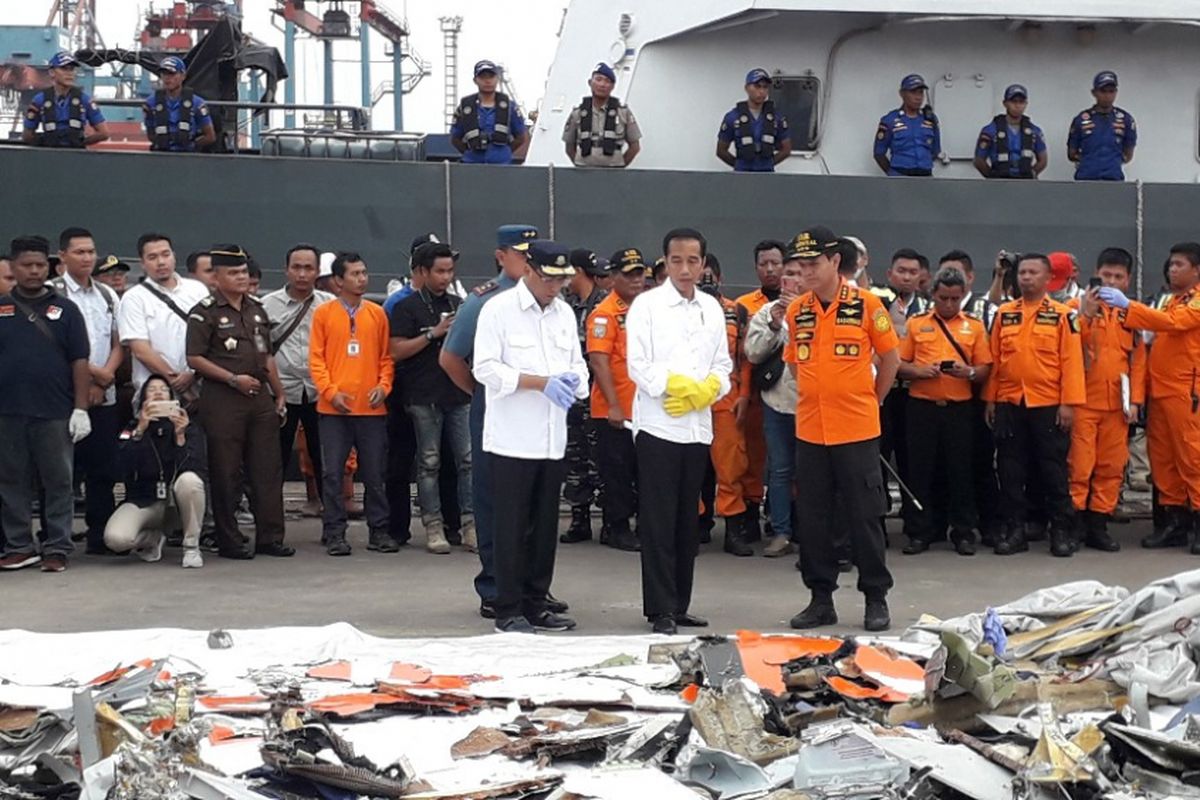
110,264
550,258
816,241
228,255
628,260
424,238
584,259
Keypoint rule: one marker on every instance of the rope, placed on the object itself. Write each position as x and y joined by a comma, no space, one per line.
550,198
1141,235
449,204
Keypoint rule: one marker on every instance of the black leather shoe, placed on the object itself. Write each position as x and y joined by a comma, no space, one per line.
664,625
556,605
337,547
964,542
1012,540
819,612
487,609
915,546
690,621
1173,533
382,543
752,523
581,526
620,537
276,549
549,621
237,555
735,533
1062,545
877,617
1096,533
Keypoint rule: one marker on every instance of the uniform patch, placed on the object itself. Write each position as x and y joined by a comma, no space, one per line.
600,327
53,312
1008,318
803,352
805,336
850,313
1073,321
847,350
1047,318
480,291
8,311
806,319
883,323
208,301
231,344
1194,303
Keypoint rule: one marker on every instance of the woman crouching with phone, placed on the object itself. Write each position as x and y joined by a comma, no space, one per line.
160,455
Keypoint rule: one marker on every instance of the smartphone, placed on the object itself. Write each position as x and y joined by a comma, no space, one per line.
162,409
946,366
1095,283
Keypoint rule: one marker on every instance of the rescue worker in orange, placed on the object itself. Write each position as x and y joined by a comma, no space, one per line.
1173,429
944,355
768,265
836,333
1114,361
1035,386
612,399
730,461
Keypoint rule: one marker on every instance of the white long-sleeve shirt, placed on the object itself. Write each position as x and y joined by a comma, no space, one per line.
667,334
516,336
761,341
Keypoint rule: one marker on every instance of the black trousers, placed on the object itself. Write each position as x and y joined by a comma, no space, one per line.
669,475
401,461
243,452
893,418
525,523
618,472
939,442
983,469
96,467
841,483
1032,450
306,414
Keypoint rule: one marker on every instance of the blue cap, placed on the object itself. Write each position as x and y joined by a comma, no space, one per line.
486,66
606,71
913,81
172,64
550,258
1016,90
517,237
1105,78
63,59
757,74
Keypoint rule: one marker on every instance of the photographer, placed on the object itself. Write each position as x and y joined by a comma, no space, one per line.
1004,278
159,456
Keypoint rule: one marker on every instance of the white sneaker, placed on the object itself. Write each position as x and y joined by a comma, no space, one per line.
152,549
192,559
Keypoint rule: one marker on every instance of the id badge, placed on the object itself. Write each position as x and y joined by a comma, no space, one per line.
352,349
160,490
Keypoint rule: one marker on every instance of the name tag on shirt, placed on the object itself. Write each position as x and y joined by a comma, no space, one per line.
353,348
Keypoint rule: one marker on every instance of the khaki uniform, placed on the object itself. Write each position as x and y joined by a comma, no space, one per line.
627,132
242,432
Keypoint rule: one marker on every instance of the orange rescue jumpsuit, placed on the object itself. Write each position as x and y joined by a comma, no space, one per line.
729,454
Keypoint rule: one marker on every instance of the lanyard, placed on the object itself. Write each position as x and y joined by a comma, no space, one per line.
352,312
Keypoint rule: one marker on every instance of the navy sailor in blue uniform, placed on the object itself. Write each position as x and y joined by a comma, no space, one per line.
1102,137
758,132
909,138
177,119
64,111
1011,146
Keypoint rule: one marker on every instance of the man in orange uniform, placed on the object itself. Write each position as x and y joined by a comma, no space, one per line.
612,399
352,369
1114,360
1035,385
768,264
945,353
731,464
835,333
1173,430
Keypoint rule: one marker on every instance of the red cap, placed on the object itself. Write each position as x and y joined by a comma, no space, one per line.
1062,269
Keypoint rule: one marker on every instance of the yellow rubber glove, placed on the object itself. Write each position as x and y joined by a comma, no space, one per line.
708,392
677,406
682,386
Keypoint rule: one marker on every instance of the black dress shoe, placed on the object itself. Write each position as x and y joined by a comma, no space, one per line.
556,605
664,625
819,612
915,546
487,609
1062,545
237,555
877,617
964,544
276,549
690,621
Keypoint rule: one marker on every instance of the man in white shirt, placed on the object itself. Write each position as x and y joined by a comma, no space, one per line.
679,360
95,456
290,311
527,356
152,319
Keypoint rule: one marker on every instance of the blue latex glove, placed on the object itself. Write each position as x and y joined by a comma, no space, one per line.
572,380
993,628
1113,297
558,390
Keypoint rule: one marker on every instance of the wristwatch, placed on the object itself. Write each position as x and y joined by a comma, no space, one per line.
429,336
971,375
233,384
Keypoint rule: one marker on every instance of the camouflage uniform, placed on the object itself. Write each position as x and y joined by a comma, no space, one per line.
582,486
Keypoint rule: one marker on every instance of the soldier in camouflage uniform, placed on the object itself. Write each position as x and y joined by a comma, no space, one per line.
582,486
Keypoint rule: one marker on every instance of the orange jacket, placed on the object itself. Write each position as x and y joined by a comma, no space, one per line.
926,343
1110,350
1036,356
606,334
736,320
351,363
753,302
1175,352
833,349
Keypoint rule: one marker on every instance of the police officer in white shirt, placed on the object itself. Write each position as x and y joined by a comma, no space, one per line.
152,319
527,356
679,358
